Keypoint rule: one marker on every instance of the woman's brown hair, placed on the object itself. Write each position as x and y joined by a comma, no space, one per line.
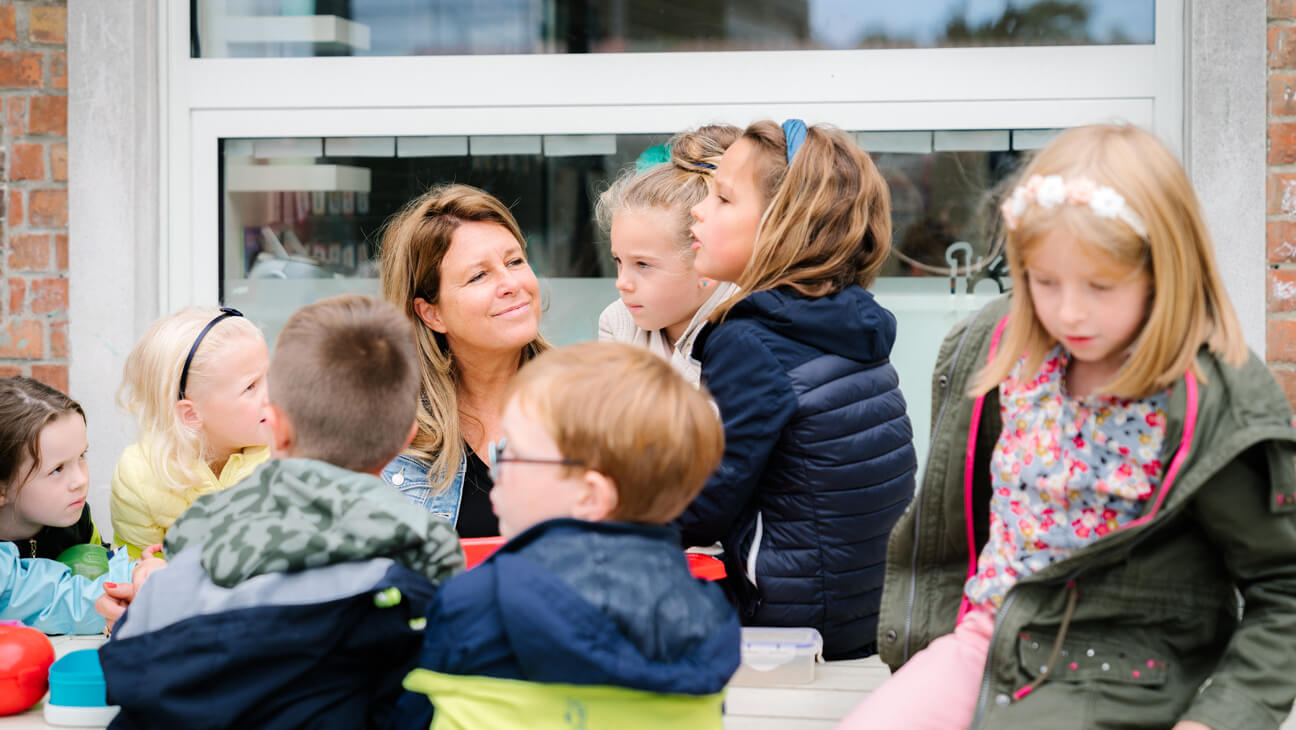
414,243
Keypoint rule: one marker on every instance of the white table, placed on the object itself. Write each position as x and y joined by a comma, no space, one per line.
837,688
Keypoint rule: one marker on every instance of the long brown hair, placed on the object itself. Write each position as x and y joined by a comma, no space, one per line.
414,243
26,407
1189,306
827,223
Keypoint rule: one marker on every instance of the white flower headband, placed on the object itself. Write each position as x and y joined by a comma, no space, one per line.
1051,191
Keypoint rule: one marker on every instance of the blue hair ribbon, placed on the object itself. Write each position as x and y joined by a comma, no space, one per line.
794,131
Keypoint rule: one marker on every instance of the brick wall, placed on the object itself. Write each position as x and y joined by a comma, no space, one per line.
33,206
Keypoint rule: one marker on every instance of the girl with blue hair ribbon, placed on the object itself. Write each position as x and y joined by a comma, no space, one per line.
819,460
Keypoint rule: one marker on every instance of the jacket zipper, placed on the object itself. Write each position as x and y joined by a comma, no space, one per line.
754,551
985,672
913,560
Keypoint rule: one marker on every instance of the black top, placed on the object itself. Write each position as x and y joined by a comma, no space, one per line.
476,517
51,541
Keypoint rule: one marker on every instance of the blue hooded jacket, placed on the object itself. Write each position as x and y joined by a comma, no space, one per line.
589,603
818,463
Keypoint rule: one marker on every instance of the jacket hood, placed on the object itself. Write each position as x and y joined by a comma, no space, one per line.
617,606
295,514
820,321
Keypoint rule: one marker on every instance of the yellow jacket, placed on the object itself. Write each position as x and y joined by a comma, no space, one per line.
143,508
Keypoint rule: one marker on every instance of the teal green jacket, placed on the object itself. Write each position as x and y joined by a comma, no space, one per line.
1187,614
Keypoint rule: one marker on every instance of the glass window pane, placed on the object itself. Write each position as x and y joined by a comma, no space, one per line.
302,220
275,28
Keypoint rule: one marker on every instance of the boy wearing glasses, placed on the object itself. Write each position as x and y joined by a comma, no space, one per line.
603,445
295,598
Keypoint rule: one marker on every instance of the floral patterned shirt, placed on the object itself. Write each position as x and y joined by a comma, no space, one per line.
1065,471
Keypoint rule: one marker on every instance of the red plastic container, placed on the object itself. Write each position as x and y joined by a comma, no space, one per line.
477,549
705,566
25,659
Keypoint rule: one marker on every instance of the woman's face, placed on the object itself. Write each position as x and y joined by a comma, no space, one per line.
489,298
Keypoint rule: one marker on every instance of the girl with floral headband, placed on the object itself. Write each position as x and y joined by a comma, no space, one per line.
1136,463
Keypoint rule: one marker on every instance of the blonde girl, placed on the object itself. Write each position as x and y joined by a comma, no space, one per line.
819,459
663,302
196,384
1110,472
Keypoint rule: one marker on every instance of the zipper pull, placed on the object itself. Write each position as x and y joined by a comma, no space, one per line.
32,542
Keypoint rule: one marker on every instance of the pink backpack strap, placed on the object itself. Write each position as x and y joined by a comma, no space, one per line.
968,468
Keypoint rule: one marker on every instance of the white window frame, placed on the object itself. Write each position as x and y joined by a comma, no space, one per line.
205,100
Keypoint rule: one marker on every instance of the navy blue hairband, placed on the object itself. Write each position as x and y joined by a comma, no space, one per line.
226,312
794,131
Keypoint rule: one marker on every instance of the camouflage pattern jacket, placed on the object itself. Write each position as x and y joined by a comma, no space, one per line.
291,515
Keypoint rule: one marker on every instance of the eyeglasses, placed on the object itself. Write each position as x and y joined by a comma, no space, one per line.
495,452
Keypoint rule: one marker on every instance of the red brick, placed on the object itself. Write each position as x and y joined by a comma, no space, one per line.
17,296
1280,340
49,296
1281,241
29,253
1281,142
27,162
22,339
49,208
1282,94
1282,9
20,70
48,115
55,376
48,24
1282,46
61,251
58,162
1281,290
15,208
16,116
8,371
58,70
58,332
8,24
1282,194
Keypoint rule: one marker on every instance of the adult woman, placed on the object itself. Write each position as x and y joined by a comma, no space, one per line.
455,262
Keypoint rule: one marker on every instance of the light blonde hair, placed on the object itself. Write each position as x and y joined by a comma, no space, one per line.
150,388
673,187
346,375
827,220
1189,307
414,243
626,413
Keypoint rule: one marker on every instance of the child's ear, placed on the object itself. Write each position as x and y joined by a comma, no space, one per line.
281,432
430,314
188,414
599,500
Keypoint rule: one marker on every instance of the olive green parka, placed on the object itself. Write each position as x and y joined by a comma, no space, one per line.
1188,614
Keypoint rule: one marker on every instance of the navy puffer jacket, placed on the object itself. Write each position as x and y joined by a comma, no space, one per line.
818,463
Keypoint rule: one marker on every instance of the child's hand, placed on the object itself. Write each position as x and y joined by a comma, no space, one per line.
1190,725
112,604
147,564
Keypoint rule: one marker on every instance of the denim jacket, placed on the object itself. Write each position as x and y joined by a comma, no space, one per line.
410,476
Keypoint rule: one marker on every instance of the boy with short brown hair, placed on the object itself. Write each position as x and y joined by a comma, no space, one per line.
603,444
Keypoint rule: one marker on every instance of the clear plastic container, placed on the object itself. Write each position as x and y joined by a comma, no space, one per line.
776,656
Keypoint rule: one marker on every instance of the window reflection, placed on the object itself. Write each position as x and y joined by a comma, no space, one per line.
262,28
